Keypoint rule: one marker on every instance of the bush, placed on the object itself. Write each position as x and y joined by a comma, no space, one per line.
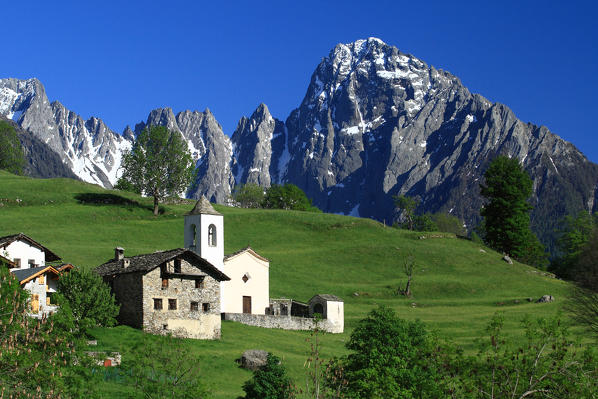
289,197
270,382
249,195
449,224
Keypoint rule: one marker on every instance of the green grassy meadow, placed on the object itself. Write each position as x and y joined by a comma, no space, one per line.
456,288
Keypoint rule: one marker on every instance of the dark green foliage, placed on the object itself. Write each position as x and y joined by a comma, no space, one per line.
125,185
89,299
448,224
584,300
406,206
160,367
11,151
158,165
37,357
506,214
547,365
574,234
424,223
391,358
270,382
288,197
249,195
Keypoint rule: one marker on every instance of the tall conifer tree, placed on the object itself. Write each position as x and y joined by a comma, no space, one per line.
506,214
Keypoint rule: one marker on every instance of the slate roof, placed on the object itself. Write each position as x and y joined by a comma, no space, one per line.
24,275
328,297
203,207
6,240
247,249
148,262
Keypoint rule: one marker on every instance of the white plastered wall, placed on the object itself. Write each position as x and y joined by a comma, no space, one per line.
335,314
257,286
22,250
215,254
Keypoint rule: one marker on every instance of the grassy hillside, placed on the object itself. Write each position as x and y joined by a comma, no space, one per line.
457,285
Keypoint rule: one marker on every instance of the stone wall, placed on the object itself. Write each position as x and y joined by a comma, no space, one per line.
128,293
182,321
282,322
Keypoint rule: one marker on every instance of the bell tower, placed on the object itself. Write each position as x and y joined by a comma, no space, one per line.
204,232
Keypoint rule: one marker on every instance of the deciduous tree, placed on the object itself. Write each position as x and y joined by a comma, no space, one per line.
406,206
159,164
249,195
390,358
89,299
289,197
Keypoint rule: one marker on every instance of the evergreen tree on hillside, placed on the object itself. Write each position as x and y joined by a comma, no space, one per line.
11,151
506,214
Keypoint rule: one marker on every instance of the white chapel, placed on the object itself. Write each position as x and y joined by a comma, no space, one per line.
248,290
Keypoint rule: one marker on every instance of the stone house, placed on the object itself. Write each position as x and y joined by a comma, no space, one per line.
175,291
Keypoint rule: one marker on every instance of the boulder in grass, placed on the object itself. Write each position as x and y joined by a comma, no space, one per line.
545,299
253,359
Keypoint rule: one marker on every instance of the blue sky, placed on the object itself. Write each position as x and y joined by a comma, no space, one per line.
119,60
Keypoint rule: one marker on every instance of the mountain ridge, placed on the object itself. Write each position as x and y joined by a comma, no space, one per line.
374,122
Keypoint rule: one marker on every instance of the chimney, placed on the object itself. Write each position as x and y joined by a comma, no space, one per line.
119,253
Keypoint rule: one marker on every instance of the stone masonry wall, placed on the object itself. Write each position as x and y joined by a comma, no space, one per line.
282,322
183,321
128,292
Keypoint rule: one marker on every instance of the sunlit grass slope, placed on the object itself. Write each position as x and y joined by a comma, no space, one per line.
457,285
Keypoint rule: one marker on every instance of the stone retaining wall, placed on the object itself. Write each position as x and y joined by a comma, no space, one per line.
282,322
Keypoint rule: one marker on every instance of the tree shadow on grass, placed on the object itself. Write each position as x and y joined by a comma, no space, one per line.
112,199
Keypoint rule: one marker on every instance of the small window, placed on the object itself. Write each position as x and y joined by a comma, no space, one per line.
164,326
157,303
194,306
41,279
198,283
245,277
194,235
172,304
212,235
164,283
31,262
18,263
205,307
177,265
